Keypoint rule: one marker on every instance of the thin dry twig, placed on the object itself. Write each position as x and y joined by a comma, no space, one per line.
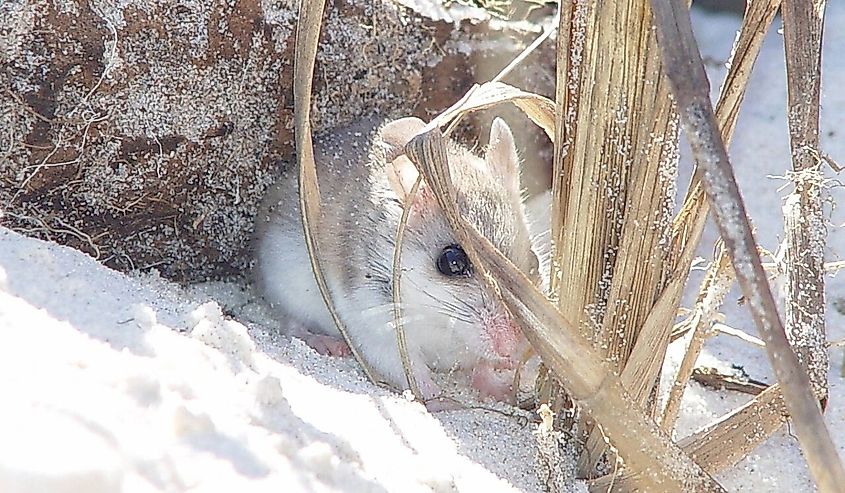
714,288
715,379
689,85
530,49
689,225
397,290
307,36
721,328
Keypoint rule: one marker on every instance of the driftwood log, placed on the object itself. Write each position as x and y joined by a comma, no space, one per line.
144,133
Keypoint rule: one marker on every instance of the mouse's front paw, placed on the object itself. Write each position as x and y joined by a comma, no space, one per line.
327,345
490,382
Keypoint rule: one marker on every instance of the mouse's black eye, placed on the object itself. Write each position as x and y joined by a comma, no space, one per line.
453,261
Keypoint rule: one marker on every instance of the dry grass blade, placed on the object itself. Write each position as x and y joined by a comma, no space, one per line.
689,225
397,289
805,228
689,85
758,18
724,443
714,288
541,110
586,375
307,36
612,199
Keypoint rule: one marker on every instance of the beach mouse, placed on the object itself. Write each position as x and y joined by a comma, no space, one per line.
451,324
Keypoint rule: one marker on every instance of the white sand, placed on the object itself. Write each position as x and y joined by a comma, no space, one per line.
115,383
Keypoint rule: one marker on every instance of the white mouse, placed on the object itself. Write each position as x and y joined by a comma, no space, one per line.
450,322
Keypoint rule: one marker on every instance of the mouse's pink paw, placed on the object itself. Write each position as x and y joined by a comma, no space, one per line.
493,383
327,345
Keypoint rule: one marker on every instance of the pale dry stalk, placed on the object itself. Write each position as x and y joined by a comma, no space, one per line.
612,209
724,443
714,288
690,222
689,225
307,36
645,362
805,232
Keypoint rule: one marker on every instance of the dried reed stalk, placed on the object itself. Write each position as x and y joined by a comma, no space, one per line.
689,224
307,36
690,88
586,374
611,204
612,210
755,24
715,286
805,230
645,362
724,443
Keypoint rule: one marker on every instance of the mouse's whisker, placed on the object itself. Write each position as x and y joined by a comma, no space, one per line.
439,301
384,313
469,307
455,317
456,308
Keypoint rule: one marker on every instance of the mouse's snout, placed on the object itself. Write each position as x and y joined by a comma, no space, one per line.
506,341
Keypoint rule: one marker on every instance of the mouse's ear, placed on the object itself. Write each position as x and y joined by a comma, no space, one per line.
401,172
501,155
399,132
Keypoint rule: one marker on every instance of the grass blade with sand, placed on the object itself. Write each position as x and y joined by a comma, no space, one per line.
690,222
307,36
723,443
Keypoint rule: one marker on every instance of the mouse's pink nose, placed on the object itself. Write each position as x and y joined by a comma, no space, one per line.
506,340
